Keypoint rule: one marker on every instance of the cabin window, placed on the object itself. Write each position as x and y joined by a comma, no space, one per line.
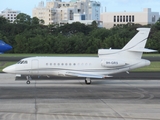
66,64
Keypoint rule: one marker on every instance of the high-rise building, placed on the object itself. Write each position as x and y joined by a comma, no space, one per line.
57,11
9,14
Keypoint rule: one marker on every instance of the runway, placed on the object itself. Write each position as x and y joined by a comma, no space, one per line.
108,99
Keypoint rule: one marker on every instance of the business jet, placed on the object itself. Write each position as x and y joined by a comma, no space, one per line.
108,62
4,47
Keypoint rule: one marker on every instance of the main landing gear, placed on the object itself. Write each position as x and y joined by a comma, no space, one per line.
88,81
28,79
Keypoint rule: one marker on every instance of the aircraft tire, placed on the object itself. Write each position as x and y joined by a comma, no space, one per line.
28,82
88,82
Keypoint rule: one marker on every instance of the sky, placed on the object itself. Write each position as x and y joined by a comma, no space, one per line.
26,6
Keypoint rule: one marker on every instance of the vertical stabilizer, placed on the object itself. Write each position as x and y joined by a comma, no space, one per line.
138,41
132,51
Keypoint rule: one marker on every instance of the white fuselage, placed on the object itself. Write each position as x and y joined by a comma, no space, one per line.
61,66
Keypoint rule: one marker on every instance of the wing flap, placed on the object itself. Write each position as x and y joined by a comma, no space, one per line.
85,75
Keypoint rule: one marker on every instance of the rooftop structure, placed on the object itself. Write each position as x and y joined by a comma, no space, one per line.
111,19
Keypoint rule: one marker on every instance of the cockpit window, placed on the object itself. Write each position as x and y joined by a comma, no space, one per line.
25,62
2,42
22,62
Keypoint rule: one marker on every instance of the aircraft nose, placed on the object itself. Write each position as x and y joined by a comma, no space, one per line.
8,47
9,69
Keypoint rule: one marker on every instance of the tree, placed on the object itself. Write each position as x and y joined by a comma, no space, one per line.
157,24
23,18
35,21
41,22
3,20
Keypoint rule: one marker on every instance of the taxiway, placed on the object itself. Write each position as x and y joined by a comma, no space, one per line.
74,100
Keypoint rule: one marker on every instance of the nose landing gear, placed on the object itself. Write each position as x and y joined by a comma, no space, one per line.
28,79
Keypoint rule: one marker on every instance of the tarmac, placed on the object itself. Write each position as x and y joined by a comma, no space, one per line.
106,99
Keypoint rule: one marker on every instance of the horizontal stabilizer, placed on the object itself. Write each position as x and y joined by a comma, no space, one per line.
142,50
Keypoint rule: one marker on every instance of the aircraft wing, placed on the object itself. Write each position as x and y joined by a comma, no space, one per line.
85,75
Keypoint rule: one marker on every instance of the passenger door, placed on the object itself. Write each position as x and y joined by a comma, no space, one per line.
35,67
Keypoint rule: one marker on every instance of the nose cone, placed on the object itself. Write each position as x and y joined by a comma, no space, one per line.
8,47
5,47
9,69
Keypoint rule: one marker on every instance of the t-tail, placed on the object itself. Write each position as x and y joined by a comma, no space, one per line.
130,56
136,46
133,50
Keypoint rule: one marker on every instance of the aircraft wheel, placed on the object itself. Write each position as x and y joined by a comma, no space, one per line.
88,81
28,82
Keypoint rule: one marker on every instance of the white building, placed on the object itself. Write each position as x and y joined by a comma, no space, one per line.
9,14
79,18
145,17
57,11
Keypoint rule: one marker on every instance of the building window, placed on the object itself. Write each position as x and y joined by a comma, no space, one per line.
79,10
114,18
129,18
123,18
153,18
117,18
132,18
126,18
120,18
